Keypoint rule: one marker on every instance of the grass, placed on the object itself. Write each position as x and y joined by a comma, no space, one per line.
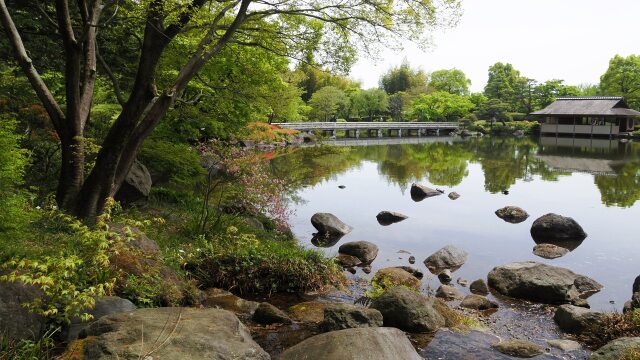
613,326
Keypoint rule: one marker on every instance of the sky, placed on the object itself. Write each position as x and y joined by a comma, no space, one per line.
571,40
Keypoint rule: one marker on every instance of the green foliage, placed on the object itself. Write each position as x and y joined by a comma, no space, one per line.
70,281
326,103
528,127
245,264
370,102
13,161
622,78
440,106
453,81
403,79
40,349
177,163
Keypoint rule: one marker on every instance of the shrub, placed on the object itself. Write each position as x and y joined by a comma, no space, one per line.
613,326
13,160
244,264
177,164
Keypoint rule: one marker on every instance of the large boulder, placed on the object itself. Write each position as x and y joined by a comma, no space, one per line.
363,250
574,319
393,276
389,217
421,192
16,322
408,310
136,185
104,306
449,257
617,349
553,228
329,224
338,316
534,281
171,333
222,299
354,344
512,214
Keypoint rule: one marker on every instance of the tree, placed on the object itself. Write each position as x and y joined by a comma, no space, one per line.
622,78
326,102
453,81
403,78
506,85
440,106
287,28
370,102
547,92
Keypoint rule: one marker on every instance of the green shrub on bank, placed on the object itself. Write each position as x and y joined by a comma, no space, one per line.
528,127
244,264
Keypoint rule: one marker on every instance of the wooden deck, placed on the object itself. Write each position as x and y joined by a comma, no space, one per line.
373,129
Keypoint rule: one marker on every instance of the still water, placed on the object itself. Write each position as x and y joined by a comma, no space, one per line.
595,181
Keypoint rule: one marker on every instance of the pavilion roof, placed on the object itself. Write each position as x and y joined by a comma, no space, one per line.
589,106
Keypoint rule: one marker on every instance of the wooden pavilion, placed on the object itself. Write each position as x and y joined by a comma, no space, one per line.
587,116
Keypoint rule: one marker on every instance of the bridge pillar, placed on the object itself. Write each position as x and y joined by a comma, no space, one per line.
357,133
438,131
419,132
333,133
399,132
379,131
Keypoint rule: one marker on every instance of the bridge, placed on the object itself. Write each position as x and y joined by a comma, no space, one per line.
373,129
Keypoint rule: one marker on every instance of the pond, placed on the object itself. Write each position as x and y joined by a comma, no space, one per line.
594,181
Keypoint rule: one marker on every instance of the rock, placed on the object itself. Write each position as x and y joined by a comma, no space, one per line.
16,322
445,276
617,349
408,310
137,239
518,348
586,286
347,261
454,195
412,259
341,186
462,282
421,192
366,269
179,333
449,257
393,276
413,271
448,293
338,316
254,223
574,320
512,214
351,270
325,240
104,306
354,344
388,217
553,228
627,307
330,224
565,345
636,285
478,302
549,251
268,314
136,185
537,282
479,287
223,299
309,311
363,250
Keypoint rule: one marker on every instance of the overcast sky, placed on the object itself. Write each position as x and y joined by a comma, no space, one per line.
543,39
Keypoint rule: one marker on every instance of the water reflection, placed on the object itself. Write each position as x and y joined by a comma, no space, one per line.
614,164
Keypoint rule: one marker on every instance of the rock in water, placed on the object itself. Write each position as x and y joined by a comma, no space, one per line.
574,320
550,251
393,276
479,287
477,302
449,257
136,185
347,261
363,250
185,333
408,310
512,214
553,228
518,348
454,195
413,271
268,314
412,259
354,344
534,281
421,192
388,217
338,316
447,292
330,224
